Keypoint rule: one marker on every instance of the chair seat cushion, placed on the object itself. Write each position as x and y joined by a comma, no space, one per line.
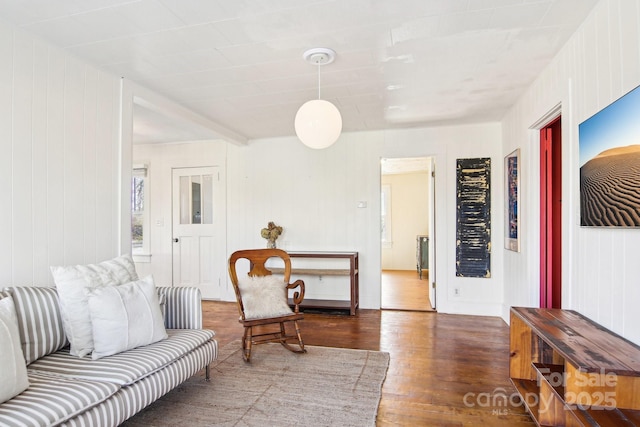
263,297
128,367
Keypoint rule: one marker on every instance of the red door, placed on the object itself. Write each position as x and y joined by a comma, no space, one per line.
551,215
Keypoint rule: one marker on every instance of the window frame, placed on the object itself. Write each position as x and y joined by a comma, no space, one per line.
143,252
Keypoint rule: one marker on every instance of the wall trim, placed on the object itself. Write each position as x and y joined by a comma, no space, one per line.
550,116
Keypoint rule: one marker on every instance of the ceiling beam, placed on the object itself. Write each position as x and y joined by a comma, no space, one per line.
165,106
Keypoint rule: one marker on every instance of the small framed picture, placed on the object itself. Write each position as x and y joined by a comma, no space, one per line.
512,202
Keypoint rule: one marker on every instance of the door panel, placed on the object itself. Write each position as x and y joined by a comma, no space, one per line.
206,254
545,217
198,246
432,240
551,215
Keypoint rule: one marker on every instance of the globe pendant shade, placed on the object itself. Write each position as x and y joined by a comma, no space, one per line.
318,123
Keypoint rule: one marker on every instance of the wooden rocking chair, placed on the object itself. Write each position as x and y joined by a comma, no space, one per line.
251,309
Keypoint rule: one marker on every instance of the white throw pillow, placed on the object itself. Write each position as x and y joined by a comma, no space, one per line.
71,282
125,317
13,368
263,296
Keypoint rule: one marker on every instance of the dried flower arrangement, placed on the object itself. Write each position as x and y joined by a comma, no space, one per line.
271,233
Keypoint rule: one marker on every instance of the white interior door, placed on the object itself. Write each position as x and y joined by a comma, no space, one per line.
432,239
198,249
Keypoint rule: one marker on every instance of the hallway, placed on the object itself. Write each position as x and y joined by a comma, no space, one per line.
404,290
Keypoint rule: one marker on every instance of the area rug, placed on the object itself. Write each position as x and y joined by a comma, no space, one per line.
324,387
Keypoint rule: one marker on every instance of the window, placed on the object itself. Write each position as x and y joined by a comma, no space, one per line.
385,216
139,211
196,199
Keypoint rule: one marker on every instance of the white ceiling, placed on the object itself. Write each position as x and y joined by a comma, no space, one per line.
239,63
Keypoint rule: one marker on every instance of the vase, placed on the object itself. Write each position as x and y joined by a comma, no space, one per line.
271,244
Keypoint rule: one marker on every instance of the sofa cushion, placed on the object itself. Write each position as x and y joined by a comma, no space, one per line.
146,391
39,321
71,282
13,369
125,317
135,397
51,400
182,308
130,366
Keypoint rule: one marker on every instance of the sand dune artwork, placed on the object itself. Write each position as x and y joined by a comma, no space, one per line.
610,165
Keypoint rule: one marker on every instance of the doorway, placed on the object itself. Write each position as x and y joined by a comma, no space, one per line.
551,214
407,236
198,251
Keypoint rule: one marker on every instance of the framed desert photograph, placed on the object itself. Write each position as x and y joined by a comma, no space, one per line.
609,144
512,202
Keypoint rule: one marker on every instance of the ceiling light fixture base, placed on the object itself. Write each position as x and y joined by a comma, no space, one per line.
319,56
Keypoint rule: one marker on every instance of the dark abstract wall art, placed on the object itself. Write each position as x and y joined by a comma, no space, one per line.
473,217
512,202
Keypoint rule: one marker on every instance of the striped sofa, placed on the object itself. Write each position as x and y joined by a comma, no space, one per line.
70,391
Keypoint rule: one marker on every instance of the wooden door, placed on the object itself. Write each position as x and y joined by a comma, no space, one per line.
551,215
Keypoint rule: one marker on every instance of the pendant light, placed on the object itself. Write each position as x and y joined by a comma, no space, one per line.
318,123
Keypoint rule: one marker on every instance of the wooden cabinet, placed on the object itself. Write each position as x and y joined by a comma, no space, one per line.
351,272
570,371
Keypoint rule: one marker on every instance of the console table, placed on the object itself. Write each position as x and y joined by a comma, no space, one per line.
570,371
352,272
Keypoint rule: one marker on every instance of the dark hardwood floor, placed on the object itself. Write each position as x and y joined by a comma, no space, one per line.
445,370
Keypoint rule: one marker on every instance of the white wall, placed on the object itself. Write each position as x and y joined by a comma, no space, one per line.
314,196
600,274
59,171
482,296
410,207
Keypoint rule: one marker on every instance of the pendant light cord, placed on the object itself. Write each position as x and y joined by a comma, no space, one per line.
319,81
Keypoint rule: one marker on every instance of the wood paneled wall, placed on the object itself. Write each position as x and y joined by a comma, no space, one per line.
59,168
601,272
